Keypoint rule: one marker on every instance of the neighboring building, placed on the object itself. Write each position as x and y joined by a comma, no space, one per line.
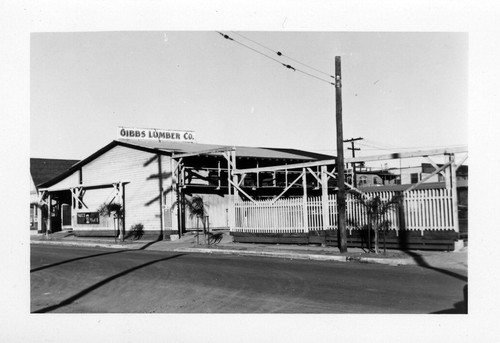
416,174
146,178
371,177
42,170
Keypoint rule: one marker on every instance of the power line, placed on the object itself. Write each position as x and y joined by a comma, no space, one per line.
383,146
274,59
279,53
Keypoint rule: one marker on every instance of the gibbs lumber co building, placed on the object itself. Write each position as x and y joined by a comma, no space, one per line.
147,173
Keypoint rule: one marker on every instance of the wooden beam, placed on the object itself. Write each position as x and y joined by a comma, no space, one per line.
409,154
285,167
287,188
462,161
242,192
82,186
434,165
427,177
201,152
314,174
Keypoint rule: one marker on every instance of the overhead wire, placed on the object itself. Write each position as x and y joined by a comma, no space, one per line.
279,53
288,66
389,147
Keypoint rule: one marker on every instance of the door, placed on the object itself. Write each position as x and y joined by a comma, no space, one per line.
66,216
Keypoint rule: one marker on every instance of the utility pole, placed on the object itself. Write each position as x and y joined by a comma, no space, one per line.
353,149
340,159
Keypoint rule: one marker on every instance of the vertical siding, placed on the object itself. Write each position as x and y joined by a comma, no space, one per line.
217,210
70,181
142,193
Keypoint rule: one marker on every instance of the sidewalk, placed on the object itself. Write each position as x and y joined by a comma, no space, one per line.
188,243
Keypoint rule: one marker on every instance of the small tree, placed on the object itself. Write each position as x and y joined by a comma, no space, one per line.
113,209
197,208
376,211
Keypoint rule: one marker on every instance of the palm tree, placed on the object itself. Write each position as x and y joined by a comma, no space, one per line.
376,211
115,210
197,208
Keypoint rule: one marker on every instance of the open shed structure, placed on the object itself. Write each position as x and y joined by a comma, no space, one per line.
426,216
149,180
262,195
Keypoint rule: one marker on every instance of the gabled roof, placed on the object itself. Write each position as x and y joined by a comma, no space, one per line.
44,169
241,151
169,147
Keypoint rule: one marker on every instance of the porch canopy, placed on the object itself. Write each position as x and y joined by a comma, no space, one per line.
74,195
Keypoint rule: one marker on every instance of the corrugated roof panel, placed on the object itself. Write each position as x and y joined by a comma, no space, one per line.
241,151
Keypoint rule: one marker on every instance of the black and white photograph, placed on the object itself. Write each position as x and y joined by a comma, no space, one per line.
226,181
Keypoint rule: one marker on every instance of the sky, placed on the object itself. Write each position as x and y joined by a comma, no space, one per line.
400,91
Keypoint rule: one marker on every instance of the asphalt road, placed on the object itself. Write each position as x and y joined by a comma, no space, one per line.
97,280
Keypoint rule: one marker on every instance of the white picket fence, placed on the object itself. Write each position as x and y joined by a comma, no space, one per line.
429,209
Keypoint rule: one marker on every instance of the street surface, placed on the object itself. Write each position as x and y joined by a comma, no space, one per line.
98,280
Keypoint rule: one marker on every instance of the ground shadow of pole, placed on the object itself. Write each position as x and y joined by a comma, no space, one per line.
144,247
101,283
460,307
76,259
404,246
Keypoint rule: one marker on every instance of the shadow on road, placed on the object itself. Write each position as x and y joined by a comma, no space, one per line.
95,286
144,247
459,307
76,259
423,263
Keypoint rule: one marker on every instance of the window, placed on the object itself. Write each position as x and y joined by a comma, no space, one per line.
363,180
414,177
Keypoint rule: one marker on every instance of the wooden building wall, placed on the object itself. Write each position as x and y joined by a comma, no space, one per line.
142,193
146,176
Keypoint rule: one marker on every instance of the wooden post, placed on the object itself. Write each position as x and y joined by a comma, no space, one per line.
49,215
234,194
324,201
39,214
340,158
304,200
160,186
173,198
122,200
454,191
73,211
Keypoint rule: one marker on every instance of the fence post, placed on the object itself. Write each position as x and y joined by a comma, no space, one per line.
454,190
304,200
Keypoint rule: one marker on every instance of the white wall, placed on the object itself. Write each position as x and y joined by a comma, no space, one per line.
142,193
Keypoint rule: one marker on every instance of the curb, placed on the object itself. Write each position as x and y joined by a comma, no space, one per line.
283,255
293,256
84,244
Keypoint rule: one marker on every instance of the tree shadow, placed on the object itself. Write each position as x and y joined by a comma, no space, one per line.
101,283
214,238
